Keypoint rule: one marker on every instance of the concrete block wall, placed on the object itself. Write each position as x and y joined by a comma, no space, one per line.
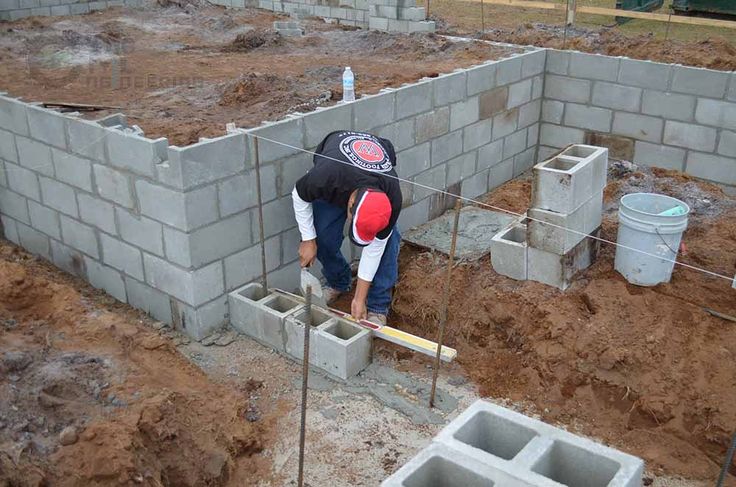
655,114
18,9
491,445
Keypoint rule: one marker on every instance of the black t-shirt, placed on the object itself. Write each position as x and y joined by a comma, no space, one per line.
366,161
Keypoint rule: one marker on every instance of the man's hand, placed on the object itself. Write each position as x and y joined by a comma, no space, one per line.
358,309
307,252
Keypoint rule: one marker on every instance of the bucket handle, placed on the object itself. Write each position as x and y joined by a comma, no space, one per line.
656,229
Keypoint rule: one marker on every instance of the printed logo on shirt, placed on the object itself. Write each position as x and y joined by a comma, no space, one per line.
364,151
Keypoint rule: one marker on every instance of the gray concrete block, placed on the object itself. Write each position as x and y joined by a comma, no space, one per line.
286,277
192,287
714,168
727,143
149,300
122,256
500,173
60,10
58,196
537,87
86,138
400,133
185,211
9,229
529,114
509,252
413,161
345,348
690,136
245,266
321,122
79,8
508,70
556,136
106,278
505,123
44,219
717,113
514,144
534,452
558,233
8,151
524,161
532,63
96,212
562,184
558,62
639,127
464,113
492,102
377,23
290,170
432,124
481,78
610,95
79,236
113,185
3,175
668,105
449,88
428,181
477,134
374,111
645,74
213,159
68,259
398,25
589,118
559,270
413,99
659,156
14,205
261,315
552,111
699,81
532,138
519,93
278,216
201,321
490,154
134,153
567,89
72,170
460,168
23,181
240,192
475,185
47,126
35,156
209,243
140,231
416,14
34,241
446,147
594,66
414,215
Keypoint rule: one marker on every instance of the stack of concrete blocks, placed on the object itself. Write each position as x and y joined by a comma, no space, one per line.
345,12
398,16
289,28
489,445
567,205
655,114
18,9
276,320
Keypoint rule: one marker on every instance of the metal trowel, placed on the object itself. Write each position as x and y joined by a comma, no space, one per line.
307,279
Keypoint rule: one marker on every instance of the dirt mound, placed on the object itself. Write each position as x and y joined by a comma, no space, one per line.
644,369
253,39
714,53
89,397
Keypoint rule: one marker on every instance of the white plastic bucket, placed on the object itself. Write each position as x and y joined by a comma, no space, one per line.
647,223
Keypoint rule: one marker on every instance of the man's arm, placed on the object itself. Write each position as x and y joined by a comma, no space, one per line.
370,259
305,220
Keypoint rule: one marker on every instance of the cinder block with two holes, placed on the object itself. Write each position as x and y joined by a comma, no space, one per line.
336,346
534,452
509,251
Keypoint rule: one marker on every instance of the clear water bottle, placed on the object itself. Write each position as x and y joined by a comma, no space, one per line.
348,85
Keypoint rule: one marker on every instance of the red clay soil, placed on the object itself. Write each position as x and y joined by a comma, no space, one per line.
185,73
646,370
143,414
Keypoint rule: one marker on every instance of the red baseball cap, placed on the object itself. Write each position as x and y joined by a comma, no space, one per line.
371,214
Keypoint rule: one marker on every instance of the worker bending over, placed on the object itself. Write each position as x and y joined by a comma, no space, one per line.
353,179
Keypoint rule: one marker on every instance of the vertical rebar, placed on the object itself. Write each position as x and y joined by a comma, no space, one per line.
260,214
727,462
667,30
445,303
567,13
305,383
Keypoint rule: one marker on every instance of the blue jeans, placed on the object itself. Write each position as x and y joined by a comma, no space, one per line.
329,221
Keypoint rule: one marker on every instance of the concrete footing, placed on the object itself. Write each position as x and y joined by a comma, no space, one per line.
490,445
277,321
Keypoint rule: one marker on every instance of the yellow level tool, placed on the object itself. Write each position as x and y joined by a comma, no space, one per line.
413,342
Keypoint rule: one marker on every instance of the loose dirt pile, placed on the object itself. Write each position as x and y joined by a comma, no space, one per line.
184,72
94,397
647,370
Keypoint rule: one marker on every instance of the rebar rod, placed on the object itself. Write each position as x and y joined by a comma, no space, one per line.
305,383
260,214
